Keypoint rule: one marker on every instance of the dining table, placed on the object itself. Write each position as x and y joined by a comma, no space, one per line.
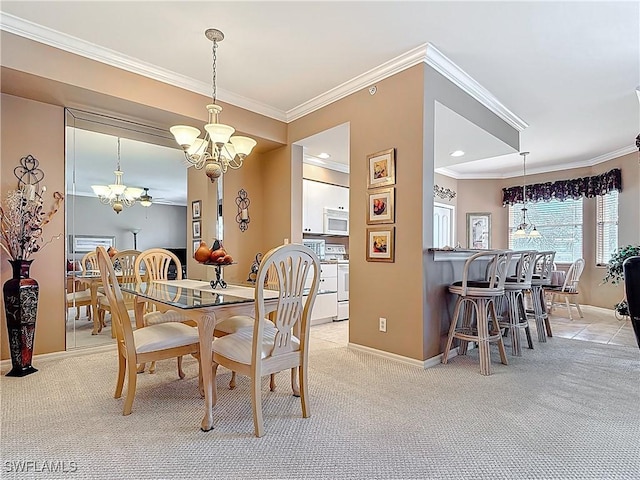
204,305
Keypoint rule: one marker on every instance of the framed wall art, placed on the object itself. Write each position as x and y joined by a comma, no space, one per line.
479,230
196,245
381,168
380,244
196,229
381,207
88,243
196,207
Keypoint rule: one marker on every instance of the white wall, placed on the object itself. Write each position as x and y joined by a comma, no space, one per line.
160,225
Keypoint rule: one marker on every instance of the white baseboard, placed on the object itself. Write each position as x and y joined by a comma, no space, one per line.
76,352
428,363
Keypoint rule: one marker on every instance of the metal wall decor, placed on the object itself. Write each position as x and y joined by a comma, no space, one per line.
242,201
444,193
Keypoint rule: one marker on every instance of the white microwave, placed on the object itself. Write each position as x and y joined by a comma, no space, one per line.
336,221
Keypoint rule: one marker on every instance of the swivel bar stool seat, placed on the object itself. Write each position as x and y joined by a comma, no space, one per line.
541,278
515,287
476,300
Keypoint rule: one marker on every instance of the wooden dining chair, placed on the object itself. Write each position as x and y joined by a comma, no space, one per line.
89,262
568,290
78,296
146,344
124,264
263,349
155,264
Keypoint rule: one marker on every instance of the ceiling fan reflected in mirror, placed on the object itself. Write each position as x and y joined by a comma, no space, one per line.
145,198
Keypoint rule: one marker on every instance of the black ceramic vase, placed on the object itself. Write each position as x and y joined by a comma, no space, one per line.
21,308
631,269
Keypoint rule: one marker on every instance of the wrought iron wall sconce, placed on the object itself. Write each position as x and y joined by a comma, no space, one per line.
242,201
444,193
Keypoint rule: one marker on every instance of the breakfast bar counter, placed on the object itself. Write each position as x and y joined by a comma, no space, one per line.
442,268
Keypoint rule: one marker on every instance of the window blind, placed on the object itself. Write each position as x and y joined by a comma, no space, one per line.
606,226
559,223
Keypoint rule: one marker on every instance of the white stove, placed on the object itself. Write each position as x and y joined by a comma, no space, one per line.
338,253
334,252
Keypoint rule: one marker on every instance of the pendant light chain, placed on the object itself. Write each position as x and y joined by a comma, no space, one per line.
118,154
213,70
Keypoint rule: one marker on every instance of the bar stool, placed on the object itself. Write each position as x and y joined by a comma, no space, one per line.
479,297
514,288
541,278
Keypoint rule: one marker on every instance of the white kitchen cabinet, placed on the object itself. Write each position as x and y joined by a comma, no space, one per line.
336,197
316,196
312,205
325,308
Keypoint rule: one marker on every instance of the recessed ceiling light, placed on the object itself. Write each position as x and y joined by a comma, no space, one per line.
457,153
324,155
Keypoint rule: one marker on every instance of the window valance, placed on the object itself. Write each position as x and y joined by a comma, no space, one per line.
563,189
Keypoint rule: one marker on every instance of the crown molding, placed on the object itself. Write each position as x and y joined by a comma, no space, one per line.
621,152
339,167
68,43
447,68
424,53
387,69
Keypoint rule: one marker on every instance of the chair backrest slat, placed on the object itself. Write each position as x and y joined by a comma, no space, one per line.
544,266
573,276
288,266
89,261
156,263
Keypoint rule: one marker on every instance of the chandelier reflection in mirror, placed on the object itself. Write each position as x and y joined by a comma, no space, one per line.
524,229
117,194
218,150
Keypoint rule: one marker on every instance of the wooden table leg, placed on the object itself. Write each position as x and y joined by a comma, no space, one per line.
97,325
206,325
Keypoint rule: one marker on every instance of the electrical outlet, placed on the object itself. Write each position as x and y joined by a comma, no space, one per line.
382,325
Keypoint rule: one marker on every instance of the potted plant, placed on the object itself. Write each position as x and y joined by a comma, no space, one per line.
615,273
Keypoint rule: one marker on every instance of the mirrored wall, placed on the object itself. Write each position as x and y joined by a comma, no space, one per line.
149,159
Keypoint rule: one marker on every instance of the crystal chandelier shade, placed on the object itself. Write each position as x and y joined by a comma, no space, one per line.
117,194
219,150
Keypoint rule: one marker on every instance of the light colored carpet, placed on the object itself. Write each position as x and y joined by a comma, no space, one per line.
566,410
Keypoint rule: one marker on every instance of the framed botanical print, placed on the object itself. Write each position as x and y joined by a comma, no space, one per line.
196,229
381,208
196,206
381,168
380,244
479,230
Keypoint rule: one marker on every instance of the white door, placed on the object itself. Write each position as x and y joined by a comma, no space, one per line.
443,221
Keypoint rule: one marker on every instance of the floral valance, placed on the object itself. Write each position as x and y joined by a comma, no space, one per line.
564,189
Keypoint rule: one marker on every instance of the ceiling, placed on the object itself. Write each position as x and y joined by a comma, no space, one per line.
567,69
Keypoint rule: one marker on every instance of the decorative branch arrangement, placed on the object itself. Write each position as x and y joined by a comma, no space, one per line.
23,216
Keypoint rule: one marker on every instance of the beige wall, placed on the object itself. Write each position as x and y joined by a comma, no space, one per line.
36,128
390,118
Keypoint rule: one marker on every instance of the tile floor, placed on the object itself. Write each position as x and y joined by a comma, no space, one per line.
598,325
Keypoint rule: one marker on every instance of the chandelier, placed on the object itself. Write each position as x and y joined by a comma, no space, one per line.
218,150
117,194
145,199
524,229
